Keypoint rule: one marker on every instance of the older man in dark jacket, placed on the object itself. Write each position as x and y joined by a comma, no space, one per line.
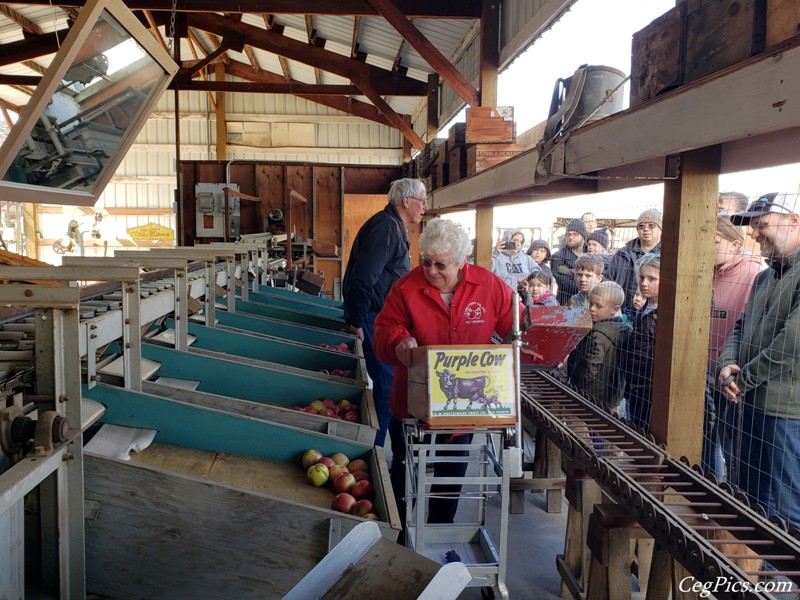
378,258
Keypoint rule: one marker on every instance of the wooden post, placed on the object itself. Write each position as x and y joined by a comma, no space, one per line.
582,494
684,303
406,141
490,51
222,130
484,223
432,125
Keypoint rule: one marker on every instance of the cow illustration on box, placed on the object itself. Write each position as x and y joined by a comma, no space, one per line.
467,388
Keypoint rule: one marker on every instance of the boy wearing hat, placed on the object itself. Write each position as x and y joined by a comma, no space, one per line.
621,267
597,243
563,264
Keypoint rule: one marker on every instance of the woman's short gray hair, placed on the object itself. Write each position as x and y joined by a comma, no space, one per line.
445,237
401,188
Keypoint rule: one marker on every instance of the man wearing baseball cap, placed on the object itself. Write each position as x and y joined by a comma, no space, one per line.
621,268
760,364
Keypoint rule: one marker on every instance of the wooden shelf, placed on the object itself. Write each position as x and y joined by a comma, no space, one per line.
751,109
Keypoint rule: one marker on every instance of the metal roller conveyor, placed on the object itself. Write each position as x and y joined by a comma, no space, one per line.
703,525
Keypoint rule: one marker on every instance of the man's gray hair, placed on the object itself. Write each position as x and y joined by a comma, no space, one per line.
414,188
445,237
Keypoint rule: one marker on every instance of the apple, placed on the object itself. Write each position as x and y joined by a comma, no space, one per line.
359,464
324,345
359,475
344,482
361,508
352,416
343,403
337,470
340,459
317,474
318,405
310,409
324,371
343,502
311,457
327,412
327,461
300,408
336,372
371,517
329,402
347,373
343,347
362,490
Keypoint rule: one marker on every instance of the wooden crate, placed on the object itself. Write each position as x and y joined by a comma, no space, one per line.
482,156
783,20
657,56
442,173
456,135
456,386
720,33
490,124
457,164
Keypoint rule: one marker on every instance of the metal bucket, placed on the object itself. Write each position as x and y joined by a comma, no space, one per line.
591,93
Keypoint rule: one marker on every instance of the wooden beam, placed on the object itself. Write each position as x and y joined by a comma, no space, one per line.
430,9
347,105
354,51
311,55
282,87
229,42
684,304
490,52
31,47
312,39
395,119
217,43
695,115
406,142
16,80
432,121
35,67
193,41
154,29
222,130
427,50
484,233
26,24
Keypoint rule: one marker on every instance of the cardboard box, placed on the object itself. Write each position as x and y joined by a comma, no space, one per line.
552,332
491,124
657,56
482,156
720,33
463,386
783,20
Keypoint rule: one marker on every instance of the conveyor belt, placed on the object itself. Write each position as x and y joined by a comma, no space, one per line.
683,510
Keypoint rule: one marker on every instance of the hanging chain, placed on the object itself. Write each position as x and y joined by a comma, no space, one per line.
172,25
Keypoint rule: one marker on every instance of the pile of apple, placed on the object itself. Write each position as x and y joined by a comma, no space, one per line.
347,373
349,480
328,407
340,347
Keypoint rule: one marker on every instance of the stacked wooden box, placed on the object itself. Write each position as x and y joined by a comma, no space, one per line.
490,137
700,37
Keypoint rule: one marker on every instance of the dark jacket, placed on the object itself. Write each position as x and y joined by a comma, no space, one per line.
567,287
622,269
592,366
636,360
378,258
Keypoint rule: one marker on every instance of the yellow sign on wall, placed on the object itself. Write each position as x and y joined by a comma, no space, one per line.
151,231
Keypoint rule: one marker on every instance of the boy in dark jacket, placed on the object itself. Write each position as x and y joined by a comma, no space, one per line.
592,366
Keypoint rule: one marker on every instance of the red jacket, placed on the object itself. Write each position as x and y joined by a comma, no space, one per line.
414,308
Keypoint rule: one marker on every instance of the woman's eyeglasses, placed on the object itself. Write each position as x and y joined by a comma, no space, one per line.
427,263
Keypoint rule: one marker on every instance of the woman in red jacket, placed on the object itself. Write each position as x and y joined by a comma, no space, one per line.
443,301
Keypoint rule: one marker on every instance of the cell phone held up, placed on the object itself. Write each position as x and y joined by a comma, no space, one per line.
510,245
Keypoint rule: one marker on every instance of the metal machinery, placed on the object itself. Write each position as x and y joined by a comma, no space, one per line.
253,355
709,529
